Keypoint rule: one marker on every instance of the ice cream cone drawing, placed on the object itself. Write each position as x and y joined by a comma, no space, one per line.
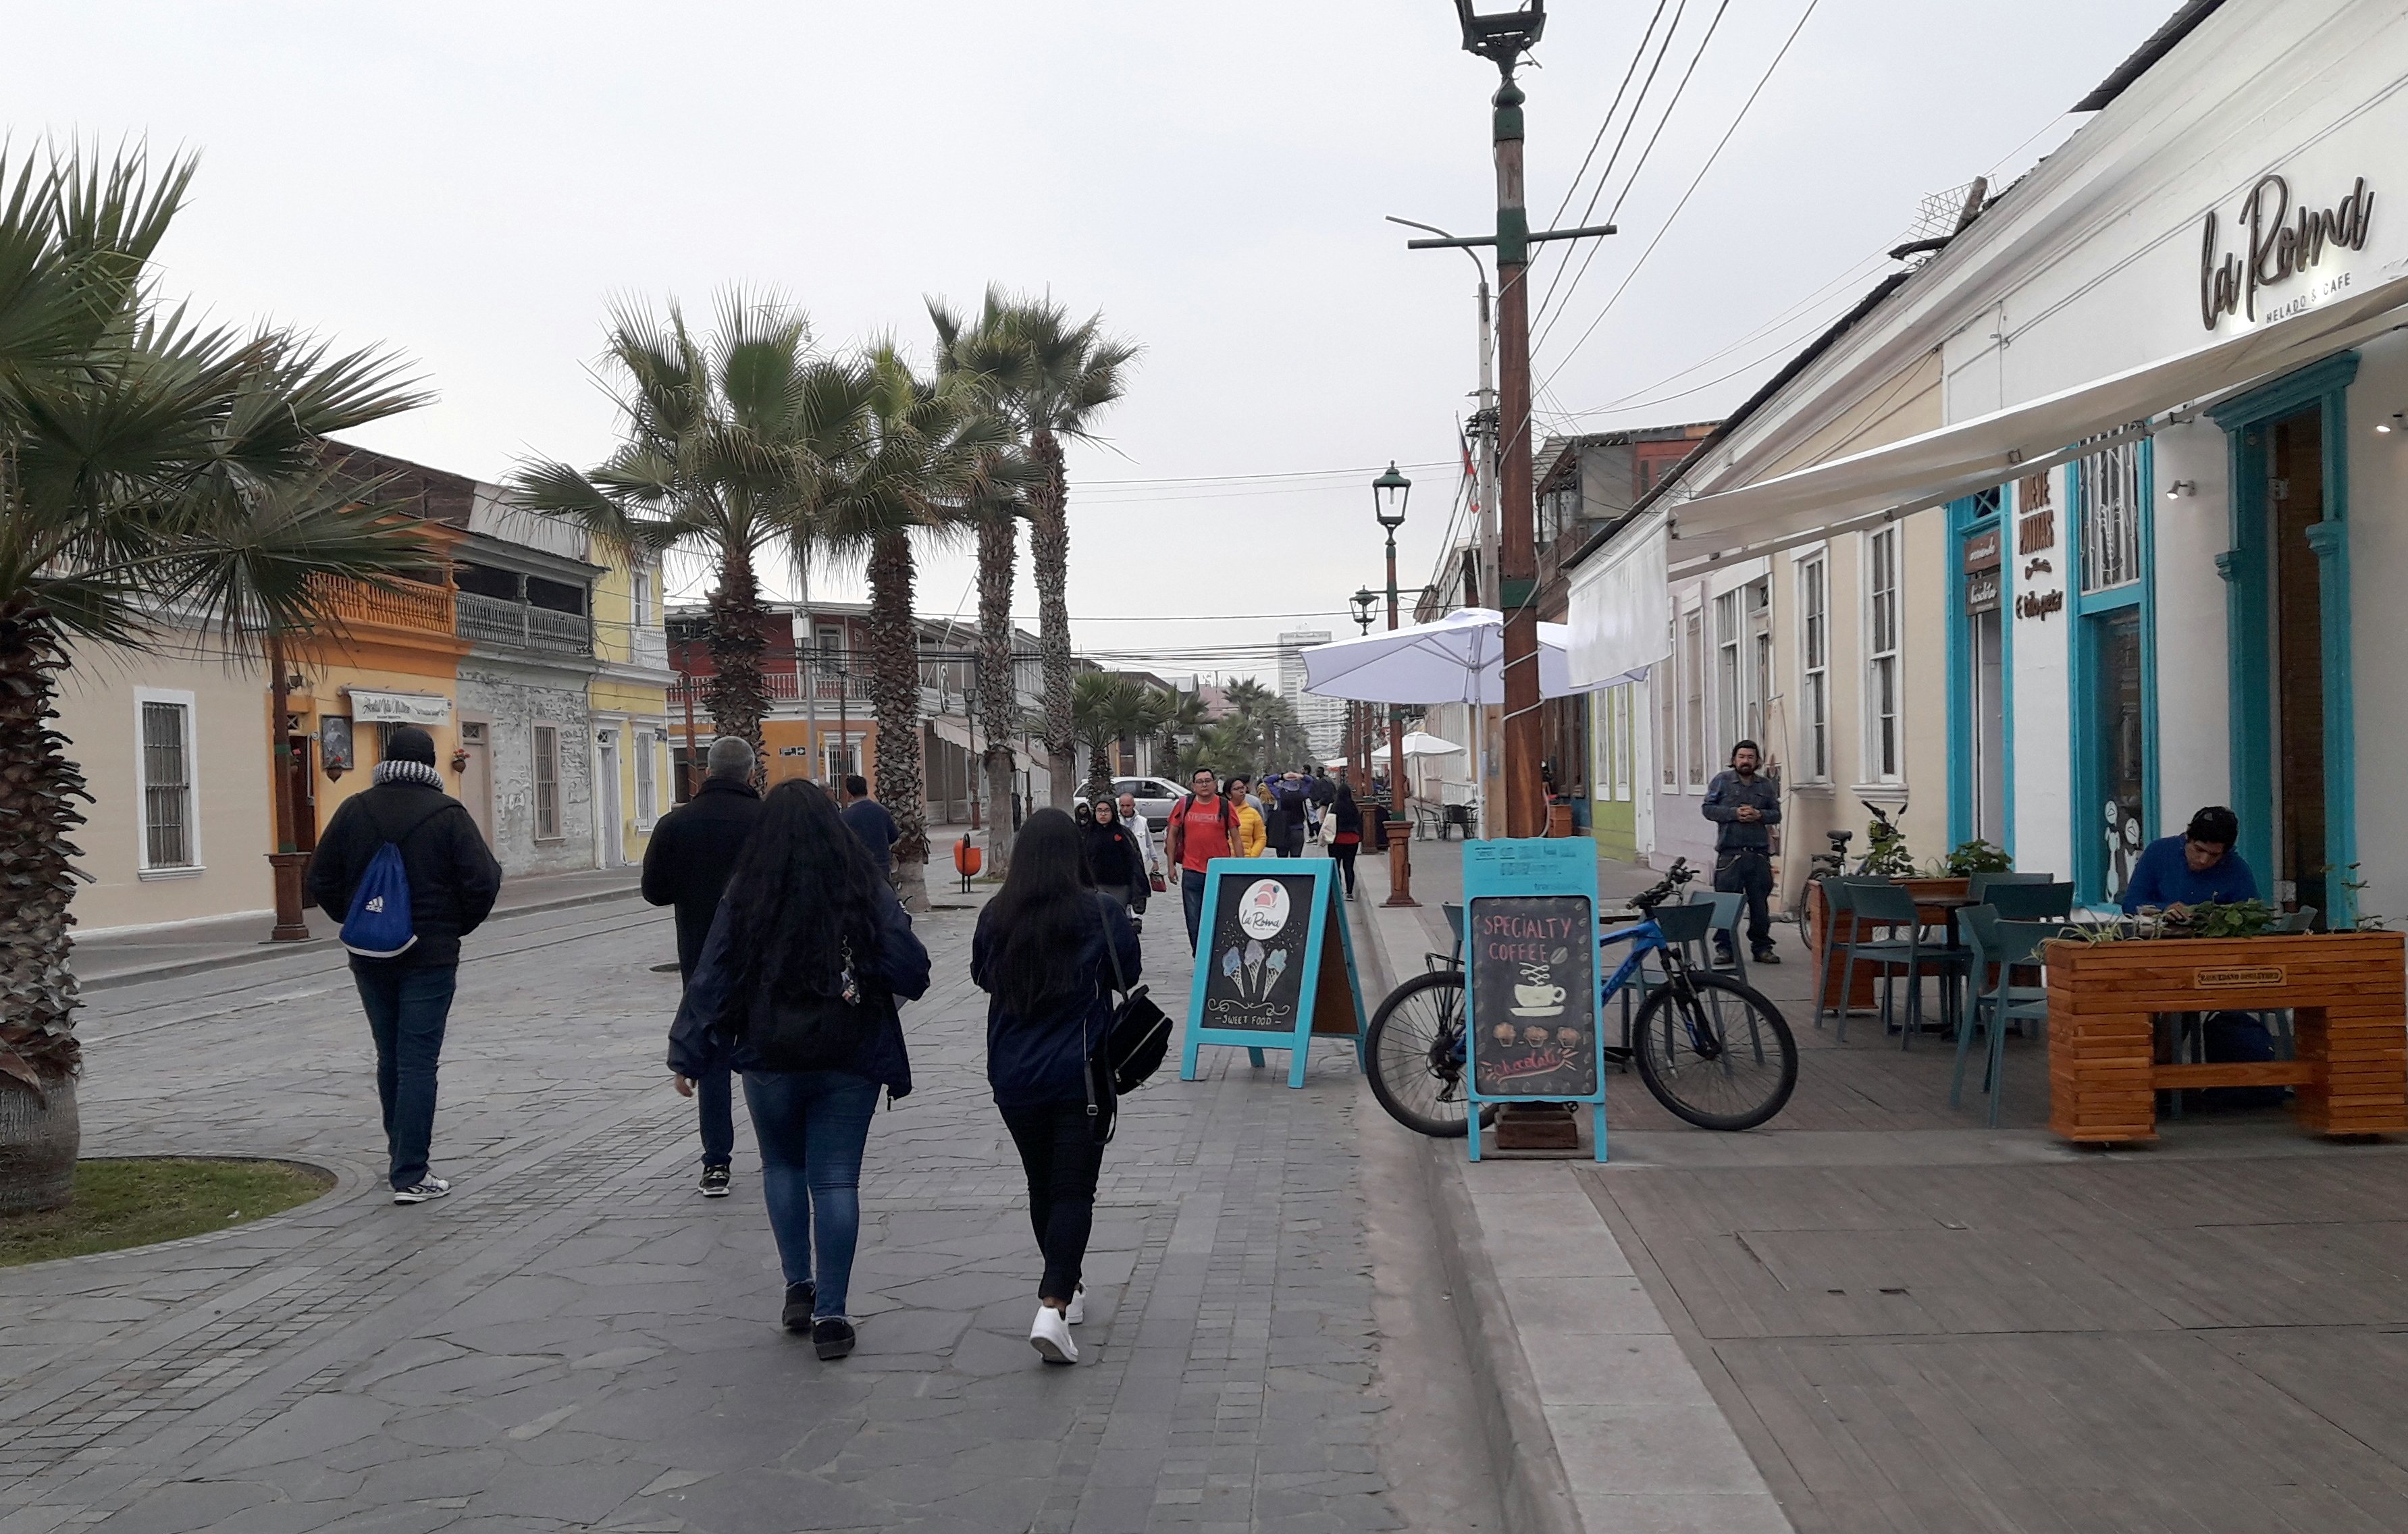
1254,982
1273,967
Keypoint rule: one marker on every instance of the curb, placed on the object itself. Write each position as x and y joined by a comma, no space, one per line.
1536,1494
264,952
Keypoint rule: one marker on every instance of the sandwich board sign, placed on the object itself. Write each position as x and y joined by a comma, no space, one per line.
1276,965
1531,990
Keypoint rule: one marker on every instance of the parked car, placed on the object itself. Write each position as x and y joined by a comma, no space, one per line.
1154,796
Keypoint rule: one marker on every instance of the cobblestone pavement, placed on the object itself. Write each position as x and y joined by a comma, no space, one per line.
575,1340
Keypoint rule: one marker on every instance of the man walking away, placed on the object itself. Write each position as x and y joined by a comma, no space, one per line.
871,824
1202,827
1746,807
1296,814
453,882
1324,792
686,866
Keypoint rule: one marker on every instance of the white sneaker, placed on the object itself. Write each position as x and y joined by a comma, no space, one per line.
1050,1337
1078,1310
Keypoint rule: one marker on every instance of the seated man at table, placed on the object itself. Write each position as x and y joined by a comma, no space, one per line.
2175,873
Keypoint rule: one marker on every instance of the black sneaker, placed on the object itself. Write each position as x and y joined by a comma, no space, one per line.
714,1181
800,1298
832,1336
1764,956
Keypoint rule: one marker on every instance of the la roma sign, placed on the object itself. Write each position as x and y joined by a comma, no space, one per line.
2282,245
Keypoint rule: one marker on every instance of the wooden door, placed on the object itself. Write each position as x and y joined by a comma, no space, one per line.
2295,502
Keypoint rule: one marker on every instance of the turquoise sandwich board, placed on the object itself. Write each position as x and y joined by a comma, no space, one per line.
1531,1009
1276,966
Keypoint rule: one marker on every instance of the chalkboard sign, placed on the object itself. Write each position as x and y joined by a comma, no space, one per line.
1530,954
1533,957
1276,947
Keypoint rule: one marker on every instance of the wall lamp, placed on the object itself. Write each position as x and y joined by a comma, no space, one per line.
2398,419
2180,488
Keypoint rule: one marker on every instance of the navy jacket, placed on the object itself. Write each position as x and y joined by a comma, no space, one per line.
1724,798
877,831
692,851
454,880
697,1044
1038,1062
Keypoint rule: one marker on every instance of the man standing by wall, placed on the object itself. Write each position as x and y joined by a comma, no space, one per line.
1746,807
871,824
1202,827
686,867
454,881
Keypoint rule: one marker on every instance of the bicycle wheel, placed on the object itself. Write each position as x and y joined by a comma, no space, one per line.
1414,1050
1715,1051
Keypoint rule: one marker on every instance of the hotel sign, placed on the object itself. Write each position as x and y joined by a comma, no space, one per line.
2281,245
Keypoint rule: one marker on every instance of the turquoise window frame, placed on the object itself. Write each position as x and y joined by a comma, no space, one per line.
1965,520
2242,565
2082,610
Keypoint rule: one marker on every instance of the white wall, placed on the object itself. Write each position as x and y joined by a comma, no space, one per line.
2378,558
2194,718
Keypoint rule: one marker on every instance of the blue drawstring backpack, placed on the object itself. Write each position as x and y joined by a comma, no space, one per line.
378,926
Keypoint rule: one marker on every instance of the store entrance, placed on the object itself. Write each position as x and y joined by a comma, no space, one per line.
2295,503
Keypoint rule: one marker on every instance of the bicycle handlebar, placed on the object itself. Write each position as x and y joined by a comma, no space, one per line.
1680,873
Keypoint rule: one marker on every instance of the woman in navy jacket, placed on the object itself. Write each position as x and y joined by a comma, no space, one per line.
1044,953
804,915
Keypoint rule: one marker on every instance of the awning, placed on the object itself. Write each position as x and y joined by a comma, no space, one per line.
1620,609
427,708
1885,483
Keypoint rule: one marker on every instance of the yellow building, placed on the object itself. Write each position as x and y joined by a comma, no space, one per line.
628,697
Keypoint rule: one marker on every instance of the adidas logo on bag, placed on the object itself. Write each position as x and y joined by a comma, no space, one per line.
376,905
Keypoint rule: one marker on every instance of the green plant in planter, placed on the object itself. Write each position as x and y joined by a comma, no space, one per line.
1975,856
2353,916
2226,919
1886,850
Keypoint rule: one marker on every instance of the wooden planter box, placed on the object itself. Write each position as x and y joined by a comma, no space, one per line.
2347,993
1821,932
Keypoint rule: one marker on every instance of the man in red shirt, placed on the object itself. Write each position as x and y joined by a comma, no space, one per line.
1202,827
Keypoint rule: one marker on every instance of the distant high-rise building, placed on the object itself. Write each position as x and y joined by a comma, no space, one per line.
1324,718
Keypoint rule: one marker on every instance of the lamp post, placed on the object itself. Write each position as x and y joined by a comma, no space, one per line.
1389,493
1359,726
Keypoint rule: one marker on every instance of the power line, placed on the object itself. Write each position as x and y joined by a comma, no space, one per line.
1663,51
1572,190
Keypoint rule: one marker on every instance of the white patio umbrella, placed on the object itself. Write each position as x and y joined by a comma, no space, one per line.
1423,743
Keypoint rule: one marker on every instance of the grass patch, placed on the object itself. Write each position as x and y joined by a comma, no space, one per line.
135,1202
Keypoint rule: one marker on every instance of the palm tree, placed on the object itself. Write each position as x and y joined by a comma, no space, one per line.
145,466
1054,377
1182,716
717,455
922,451
980,353
1106,708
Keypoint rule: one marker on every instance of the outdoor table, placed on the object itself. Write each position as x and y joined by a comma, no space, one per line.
2347,993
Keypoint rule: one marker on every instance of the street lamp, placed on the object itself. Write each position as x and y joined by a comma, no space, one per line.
1502,35
1389,493
1362,600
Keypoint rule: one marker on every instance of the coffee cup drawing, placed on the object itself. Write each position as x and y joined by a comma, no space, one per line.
1537,1001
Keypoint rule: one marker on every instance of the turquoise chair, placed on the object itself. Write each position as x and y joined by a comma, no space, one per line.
1729,908
1892,907
2036,901
1980,884
2008,945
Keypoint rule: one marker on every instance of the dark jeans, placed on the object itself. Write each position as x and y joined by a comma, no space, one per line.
1058,1151
407,1007
1191,890
1344,853
715,1094
1748,871
811,1126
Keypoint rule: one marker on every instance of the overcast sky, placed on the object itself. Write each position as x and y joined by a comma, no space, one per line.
471,184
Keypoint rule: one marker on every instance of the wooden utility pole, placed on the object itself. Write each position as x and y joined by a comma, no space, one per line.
292,923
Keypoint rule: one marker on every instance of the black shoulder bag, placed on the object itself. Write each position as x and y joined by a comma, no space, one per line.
1139,1035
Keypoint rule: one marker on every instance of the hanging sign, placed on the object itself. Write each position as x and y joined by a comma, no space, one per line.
1531,993
399,707
1277,963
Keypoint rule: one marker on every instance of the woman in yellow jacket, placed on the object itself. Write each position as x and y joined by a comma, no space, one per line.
1252,835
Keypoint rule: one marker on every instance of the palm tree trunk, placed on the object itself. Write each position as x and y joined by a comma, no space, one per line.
895,695
39,786
734,694
1048,550
999,555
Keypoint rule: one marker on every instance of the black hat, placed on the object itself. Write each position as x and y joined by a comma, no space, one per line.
410,744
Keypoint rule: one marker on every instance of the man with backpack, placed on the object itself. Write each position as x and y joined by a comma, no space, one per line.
1202,827
405,870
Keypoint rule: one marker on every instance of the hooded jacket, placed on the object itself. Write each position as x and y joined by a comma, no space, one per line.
454,880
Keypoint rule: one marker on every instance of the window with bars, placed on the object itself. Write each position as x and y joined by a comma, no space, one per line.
1730,704
547,783
1759,647
2110,498
1692,683
645,746
1666,679
167,785
1814,665
1882,661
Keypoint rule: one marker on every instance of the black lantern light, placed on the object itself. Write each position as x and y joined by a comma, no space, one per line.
1389,493
1363,600
1502,34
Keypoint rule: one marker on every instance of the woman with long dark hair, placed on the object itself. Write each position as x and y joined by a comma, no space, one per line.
1045,953
805,961
1114,862
1346,833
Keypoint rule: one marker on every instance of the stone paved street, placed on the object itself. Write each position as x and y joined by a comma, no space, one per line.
576,1339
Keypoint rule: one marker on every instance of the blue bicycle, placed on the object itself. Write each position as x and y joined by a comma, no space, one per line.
1713,1052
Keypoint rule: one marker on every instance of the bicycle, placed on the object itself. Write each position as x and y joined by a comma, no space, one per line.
1713,1052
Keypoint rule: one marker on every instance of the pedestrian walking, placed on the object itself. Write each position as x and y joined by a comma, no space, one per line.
1142,829
1202,826
1295,802
1253,835
1746,807
1114,857
1323,793
686,866
796,990
1346,832
1048,950
448,880
871,824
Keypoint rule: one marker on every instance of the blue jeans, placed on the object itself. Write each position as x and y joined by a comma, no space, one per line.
407,1009
715,1094
811,1126
1191,893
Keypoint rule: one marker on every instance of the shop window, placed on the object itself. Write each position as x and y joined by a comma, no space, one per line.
1693,701
1815,666
547,783
1665,679
2109,497
1758,603
169,841
646,747
1730,700
1882,679
2113,661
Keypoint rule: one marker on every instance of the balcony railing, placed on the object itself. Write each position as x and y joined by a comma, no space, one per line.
490,620
833,689
406,604
650,648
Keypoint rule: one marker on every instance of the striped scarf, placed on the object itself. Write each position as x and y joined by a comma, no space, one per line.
408,772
